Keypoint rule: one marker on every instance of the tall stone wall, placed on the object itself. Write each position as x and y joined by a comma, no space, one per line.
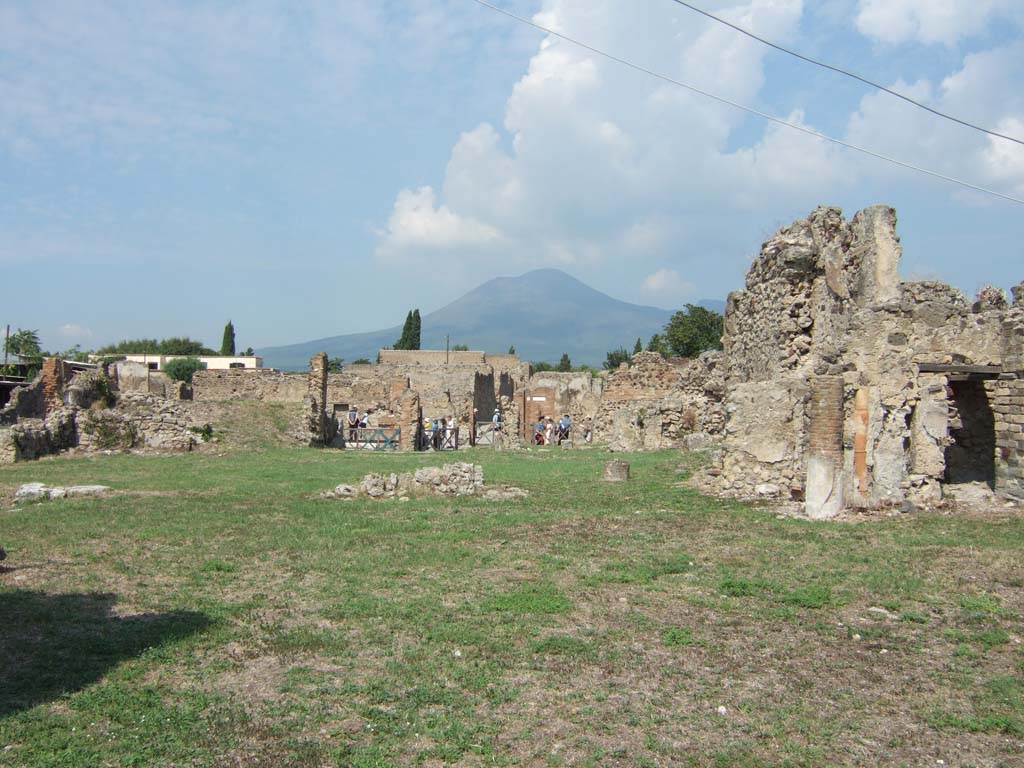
823,299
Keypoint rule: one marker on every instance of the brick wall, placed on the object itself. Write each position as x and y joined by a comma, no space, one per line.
1008,407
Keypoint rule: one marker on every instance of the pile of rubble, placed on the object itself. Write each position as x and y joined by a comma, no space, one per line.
461,479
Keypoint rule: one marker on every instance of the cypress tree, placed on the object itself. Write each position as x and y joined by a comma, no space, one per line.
403,342
565,364
227,344
414,335
639,346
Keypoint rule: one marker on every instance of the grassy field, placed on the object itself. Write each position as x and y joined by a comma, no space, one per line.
213,611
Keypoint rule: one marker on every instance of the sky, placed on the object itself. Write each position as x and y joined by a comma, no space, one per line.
308,169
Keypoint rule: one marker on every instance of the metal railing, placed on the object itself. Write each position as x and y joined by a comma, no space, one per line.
371,438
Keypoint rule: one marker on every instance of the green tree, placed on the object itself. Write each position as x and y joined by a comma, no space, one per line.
24,344
541,366
565,364
694,331
362,361
131,347
414,336
335,364
615,358
639,346
512,349
227,344
658,344
182,368
249,352
460,348
183,345
404,340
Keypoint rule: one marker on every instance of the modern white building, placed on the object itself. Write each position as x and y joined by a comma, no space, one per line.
213,362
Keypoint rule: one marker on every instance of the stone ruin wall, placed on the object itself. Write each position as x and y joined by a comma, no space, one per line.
263,384
654,403
823,348
575,393
62,410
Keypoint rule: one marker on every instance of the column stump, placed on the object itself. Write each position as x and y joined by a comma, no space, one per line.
616,471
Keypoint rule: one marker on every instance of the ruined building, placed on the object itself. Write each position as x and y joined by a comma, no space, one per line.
846,387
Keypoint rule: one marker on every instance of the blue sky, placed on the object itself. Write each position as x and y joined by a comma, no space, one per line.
316,168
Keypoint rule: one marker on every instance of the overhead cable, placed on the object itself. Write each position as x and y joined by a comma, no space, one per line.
751,110
847,73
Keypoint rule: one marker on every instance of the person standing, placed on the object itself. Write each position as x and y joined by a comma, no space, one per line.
353,424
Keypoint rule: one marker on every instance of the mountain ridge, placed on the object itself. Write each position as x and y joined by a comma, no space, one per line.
543,313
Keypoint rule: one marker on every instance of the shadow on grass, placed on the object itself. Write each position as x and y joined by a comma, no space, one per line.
51,645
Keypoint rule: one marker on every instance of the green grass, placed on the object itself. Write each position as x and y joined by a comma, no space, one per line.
215,611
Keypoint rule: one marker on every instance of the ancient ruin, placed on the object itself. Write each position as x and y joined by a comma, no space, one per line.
839,386
846,387
95,410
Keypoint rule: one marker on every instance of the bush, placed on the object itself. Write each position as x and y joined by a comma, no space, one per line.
182,368
109,431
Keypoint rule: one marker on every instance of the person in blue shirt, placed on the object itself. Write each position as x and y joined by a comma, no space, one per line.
564,425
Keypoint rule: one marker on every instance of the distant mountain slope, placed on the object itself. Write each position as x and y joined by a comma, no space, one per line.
543,313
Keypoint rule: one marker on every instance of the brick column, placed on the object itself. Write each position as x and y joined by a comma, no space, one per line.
55,377
1008,408
824,485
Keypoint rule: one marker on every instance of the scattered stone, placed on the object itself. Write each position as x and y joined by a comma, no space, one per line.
460,479
882,612
34,491
767,489
508,493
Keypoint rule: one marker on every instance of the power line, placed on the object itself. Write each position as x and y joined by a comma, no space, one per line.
751,110
841,71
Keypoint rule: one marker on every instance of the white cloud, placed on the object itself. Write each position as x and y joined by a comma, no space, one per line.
930,21
1004,160
418,222
598,164
74,331
986,90
667,285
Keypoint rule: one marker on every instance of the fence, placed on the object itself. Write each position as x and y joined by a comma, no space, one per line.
372,438
439,439
489,435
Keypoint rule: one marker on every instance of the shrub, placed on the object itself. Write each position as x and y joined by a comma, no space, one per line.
182,368
109,431
204,433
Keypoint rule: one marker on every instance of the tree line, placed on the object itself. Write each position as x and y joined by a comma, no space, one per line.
24,344
688,332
